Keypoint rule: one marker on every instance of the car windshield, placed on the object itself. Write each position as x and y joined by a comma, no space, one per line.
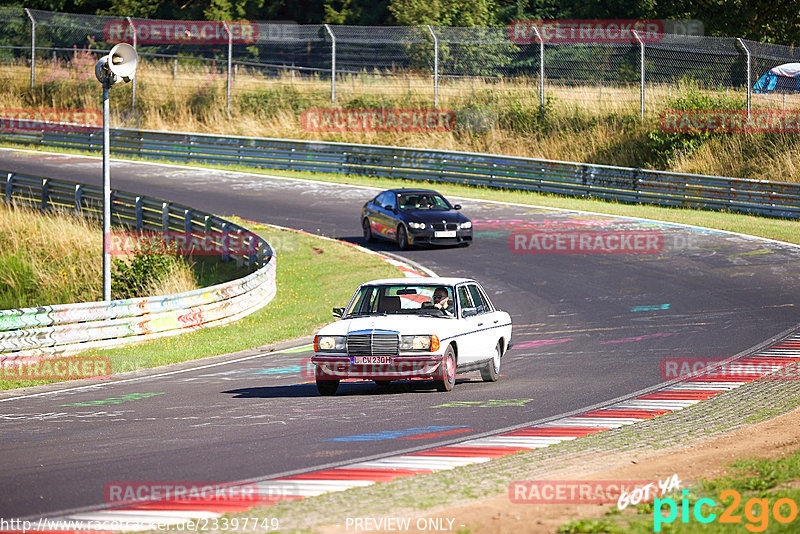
433,300
422,201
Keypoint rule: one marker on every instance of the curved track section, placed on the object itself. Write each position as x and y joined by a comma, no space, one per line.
588,328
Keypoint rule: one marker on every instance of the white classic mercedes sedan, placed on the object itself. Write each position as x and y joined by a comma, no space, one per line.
412,327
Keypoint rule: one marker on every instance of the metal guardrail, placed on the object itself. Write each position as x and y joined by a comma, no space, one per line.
762,197
69,328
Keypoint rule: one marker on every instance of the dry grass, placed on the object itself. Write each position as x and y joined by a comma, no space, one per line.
591,124
56,258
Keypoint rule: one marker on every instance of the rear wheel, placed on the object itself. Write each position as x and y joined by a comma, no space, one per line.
367,229
491,371
447,371
402,238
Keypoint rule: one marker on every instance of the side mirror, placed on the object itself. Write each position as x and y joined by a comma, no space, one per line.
338,312
389,208
469,312
457,207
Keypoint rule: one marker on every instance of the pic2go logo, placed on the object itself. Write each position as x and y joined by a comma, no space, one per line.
756,511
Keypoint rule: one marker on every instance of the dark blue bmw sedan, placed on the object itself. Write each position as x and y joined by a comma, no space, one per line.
414,217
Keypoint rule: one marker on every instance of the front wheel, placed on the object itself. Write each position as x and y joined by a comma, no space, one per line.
491,371
367,229
402,238
326,385
447,371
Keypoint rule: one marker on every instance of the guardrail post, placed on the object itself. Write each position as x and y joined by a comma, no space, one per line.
187,221
541,69
164,216
9,186
225,256
139,222
333,65
33,46
641,72
749,81
435,67
79,198
45,193
230,61
133,82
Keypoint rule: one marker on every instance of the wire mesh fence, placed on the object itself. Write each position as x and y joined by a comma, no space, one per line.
365,66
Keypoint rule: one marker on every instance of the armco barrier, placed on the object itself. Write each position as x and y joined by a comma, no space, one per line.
69,328
624,184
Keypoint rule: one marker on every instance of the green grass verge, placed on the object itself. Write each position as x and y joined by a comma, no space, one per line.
314,275
771,228
757,481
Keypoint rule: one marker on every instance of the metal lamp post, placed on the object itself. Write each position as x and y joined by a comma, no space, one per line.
118,66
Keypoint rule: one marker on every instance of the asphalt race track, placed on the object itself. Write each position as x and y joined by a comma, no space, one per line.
587,328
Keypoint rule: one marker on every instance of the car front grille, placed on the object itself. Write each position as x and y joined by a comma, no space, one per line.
443,226
373,344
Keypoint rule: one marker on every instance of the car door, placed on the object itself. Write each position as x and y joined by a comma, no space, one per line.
468,349
487,335
380,224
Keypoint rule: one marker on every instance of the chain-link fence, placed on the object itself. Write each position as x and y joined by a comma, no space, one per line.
367,66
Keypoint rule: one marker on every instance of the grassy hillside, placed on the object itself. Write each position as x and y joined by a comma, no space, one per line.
56,258
590,124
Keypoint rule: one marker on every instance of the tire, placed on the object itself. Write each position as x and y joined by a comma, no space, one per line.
327,387
402,238
447,371
367,229
491,371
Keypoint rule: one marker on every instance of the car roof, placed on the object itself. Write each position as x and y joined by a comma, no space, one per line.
414,191
422,280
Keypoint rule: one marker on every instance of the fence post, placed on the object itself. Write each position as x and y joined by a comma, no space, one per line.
33,46
541,69
435,67
230,61
749,81
133,82
165,216
333,65
79,198
139,225
641,72
9,186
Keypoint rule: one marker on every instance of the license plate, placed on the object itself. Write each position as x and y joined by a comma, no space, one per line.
448,233
371,359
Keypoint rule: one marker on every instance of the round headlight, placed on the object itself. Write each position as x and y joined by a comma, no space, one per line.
421,342
326,343
417,225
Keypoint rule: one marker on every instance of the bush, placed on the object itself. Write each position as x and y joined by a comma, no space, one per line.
668,147
136,276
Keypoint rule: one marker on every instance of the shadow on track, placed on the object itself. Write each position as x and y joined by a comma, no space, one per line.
346,389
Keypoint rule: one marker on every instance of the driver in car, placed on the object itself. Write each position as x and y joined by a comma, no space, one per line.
442,302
